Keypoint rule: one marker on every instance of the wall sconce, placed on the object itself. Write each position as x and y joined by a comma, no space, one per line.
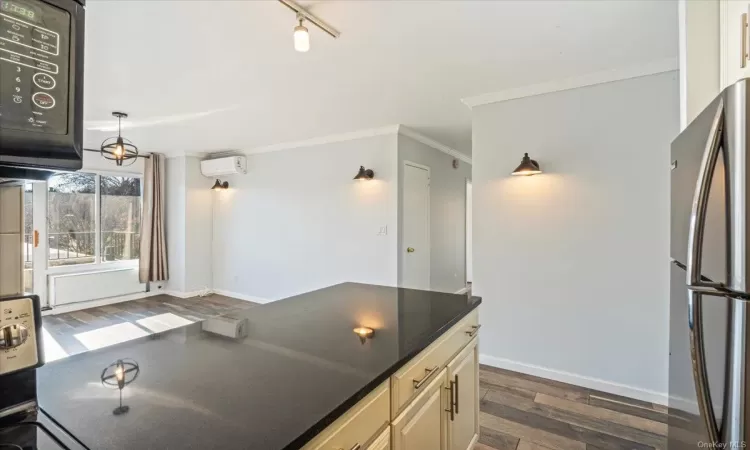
219,186
364,333
527,167
364,174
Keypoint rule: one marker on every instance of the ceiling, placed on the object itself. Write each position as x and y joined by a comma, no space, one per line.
204,76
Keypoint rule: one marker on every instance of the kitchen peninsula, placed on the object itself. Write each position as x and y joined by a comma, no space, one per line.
301,377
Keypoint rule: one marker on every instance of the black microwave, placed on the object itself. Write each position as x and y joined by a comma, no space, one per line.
41,86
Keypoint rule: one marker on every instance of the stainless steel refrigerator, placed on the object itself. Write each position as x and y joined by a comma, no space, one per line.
709,380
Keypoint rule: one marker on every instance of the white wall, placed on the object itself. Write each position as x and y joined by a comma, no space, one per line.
699,56
297,221
189,211
198,227
573,264
447,213
176,200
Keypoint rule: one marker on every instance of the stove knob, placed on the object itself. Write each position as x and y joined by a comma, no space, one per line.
12,336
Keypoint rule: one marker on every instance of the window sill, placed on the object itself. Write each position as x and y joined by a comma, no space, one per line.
93,267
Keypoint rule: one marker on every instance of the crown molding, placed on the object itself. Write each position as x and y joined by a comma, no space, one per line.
370,132
591,79
419,137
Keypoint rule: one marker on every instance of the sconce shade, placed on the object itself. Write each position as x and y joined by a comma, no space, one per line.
220,186
364,174
527,167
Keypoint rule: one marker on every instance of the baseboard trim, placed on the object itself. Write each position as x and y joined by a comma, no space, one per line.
238,296
462,290
579,380
180,294
71,307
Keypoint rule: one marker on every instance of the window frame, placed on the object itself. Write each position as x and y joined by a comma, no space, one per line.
98,264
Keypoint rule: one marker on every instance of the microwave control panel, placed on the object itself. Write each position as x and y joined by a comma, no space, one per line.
34,66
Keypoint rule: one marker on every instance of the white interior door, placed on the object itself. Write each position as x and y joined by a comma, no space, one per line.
416,237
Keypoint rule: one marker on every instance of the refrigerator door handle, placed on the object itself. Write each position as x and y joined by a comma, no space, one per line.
698,360
700,202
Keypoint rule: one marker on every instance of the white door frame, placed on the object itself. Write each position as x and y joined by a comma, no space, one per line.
40,253
429,219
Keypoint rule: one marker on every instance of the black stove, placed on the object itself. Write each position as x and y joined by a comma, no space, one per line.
23,426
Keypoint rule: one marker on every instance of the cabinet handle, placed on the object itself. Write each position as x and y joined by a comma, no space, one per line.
451,389
474,330
427,374
743,46
36,238
356,447
455,394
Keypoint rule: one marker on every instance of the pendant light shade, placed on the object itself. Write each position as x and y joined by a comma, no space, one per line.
527,167
364,174
119,149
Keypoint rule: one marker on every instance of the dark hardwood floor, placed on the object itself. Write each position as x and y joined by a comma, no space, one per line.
523,412
79,331
517,411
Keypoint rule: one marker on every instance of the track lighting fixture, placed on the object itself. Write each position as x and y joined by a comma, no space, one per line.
301,33
301,37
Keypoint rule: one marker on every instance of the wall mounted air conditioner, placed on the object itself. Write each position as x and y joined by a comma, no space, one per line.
224,166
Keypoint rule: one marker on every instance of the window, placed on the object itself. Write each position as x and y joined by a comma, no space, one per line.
120,218
76,236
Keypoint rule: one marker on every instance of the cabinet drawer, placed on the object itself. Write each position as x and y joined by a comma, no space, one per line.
411,379
360,425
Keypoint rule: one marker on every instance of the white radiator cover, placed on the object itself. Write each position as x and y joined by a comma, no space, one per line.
82,287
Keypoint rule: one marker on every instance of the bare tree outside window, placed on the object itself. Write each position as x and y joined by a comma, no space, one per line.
120,218
71,221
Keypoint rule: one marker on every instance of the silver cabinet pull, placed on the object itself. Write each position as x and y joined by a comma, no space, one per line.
451,389
743,46
474,330
356,447
427,374
455,394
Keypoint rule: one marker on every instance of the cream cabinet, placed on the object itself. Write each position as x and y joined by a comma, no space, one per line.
423,424
735,41
463,424
431,403
383,442
11,240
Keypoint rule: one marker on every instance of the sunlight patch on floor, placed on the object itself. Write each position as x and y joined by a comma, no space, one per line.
52,349
163,322
111,335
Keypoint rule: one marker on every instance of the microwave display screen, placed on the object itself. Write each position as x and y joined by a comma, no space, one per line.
20,10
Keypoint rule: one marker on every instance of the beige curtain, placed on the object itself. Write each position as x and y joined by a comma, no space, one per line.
153,262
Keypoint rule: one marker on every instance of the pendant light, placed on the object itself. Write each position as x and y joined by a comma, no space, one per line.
119,149
301,37
527,167
364,174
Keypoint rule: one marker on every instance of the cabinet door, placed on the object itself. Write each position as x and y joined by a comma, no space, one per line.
463,374
11,240
383,442
734,53
423,424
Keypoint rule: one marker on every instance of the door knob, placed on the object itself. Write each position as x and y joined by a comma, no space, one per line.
409,250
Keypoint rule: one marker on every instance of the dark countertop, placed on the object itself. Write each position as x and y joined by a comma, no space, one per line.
300,367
